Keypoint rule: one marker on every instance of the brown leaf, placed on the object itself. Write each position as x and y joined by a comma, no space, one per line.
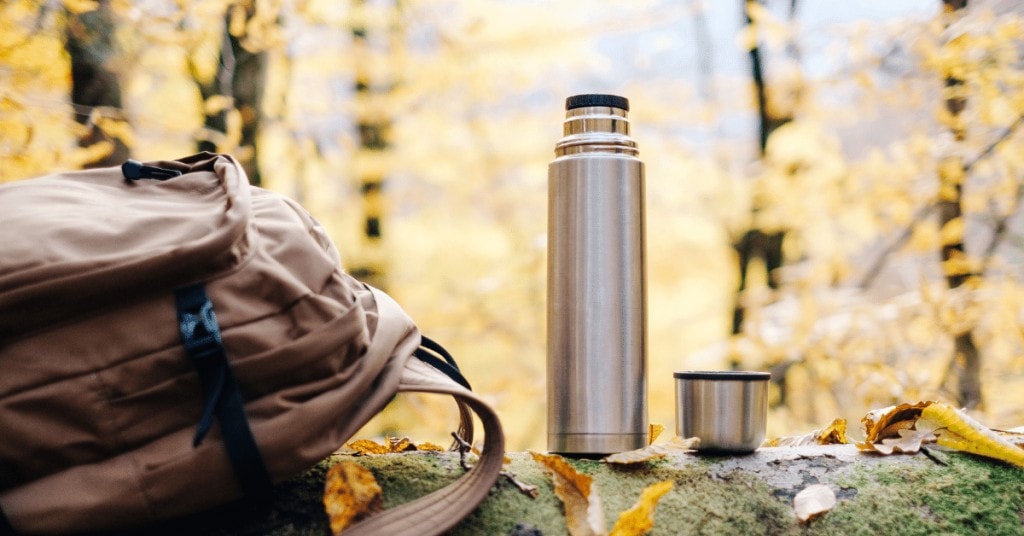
350,494
653,452
399,444
813,501
639,519
909,441
887,422
578,493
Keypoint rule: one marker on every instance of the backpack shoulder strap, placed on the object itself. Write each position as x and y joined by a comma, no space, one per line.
441,510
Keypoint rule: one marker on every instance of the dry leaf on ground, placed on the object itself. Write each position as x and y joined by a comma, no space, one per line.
653,452
578,493
833,434
639,519
653,431
1014,435
391,445
813,501
905,428
908,442
957,430
350,494
887,422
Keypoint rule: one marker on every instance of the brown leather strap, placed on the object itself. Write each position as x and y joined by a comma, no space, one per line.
441,510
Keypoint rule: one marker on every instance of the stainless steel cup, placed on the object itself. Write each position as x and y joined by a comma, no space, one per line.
727,410
596,381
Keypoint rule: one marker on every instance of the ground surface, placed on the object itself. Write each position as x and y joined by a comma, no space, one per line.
947,493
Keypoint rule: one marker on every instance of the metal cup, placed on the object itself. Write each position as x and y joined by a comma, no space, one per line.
727,410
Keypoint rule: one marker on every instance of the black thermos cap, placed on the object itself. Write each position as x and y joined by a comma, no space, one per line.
596,99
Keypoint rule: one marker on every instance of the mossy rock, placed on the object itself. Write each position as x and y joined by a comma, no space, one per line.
944,493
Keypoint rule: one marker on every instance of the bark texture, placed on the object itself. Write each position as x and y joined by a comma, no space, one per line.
944,493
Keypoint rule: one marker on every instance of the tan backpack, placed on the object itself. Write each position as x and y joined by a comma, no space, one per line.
172,338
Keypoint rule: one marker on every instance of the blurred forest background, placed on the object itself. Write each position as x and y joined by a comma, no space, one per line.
834,188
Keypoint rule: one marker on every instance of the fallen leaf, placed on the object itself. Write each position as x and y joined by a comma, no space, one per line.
909,441
80,7
887,422
391,445
350,494
639,519
1013,435
957,430
653,452
653,431
367,446
833,434
427,446
579,496
813,501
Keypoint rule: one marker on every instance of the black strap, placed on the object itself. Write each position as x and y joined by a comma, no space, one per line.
200,336
426,353
134,170
5,525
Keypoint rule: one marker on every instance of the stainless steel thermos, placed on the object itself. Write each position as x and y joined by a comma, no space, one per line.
596,311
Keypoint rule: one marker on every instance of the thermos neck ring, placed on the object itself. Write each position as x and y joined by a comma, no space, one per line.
596,129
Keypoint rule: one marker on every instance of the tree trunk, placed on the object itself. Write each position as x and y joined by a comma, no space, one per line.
240,79
757,247
372,41
95,82
942,493
963,376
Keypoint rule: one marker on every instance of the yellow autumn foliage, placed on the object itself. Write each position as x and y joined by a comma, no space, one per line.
474,107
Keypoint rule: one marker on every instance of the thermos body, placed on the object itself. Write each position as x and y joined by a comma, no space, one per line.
596,311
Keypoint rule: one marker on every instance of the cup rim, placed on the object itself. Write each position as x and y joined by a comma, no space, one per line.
727,375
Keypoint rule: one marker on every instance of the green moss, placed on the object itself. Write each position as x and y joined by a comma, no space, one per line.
968,495
905,495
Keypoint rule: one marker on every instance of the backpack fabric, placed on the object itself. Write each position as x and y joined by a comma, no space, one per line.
172,338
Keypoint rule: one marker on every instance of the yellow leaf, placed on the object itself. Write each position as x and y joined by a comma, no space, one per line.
951,171
924,237
957,430
813,501
402,444
952,232
217,104
78,7
833,434
430,447
653,452
366,446
653,431
391,445
960,264
578,493
116,128
747,37
639,519
350,494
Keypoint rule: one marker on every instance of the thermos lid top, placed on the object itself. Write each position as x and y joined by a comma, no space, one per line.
596,99
740,375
